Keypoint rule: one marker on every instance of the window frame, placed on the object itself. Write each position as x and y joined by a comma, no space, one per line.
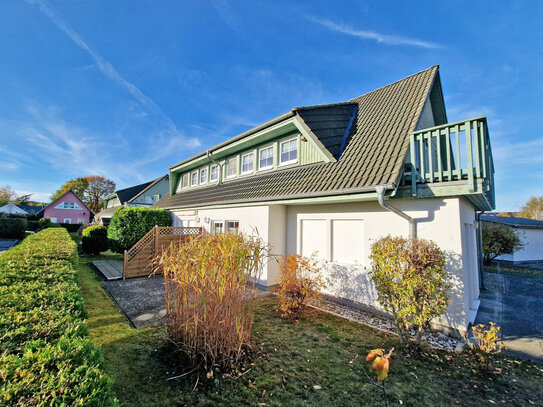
211,170
205,171
252,170
227,229
295,139
53,219
195,184
213,226
183,186
80,219
235,160
270,147
69,221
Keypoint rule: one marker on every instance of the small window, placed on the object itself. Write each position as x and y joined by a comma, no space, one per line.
231,167
232,226
289,151
203,176
266,158
214,173
247,163
185,183
67,220
54,220
80,220
156,198
217,226
194,179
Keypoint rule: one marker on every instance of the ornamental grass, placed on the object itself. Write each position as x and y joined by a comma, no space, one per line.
210,284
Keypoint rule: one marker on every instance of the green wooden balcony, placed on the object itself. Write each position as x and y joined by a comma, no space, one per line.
454,155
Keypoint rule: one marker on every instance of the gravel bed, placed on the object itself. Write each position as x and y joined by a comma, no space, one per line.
435,338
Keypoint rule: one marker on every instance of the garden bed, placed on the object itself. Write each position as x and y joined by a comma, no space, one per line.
291,356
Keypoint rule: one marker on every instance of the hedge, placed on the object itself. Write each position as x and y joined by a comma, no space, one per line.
13,228
128,225
71,227
47,358
94,239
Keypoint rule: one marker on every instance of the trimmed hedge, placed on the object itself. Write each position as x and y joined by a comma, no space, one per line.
13,228
94,239
71,227
128,225
46,357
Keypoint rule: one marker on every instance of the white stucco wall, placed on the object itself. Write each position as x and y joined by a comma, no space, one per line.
533,246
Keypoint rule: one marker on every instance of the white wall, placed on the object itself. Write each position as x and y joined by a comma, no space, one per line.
533,249
448,222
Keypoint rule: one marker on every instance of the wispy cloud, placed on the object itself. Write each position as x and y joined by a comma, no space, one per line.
170,129
371,35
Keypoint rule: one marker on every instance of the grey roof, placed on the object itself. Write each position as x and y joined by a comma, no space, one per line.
374,152
149,186
514,221
33,209
127,194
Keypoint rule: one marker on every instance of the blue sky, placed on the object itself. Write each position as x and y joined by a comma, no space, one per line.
124,89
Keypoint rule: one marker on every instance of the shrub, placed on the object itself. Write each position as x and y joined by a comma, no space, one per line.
70,227
300,281
46,357
499,239
44,223
32,225
94,239
13,228
208,296
411,282
129,225
485,342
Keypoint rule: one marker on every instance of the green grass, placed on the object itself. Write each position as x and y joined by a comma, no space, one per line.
288,358
514,269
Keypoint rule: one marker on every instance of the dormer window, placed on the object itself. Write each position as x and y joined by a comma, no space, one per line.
288,151
247,163
231,167
185,183
214,173
203,176
266,158
194,178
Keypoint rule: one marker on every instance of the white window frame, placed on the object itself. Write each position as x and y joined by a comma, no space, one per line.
235,160
80,221
69,221
53,219
295,139
227,229
187,175
260,168
156,198
253,163
206,172
211,170
195,184
63,205
213,226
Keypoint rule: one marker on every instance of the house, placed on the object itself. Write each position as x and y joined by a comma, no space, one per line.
13,209
330,179
530,232
145,194
67,208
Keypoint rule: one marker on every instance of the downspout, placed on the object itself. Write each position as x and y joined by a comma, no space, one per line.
479,238
381,199
208,154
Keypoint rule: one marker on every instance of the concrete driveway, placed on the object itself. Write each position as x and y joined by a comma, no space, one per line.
515,302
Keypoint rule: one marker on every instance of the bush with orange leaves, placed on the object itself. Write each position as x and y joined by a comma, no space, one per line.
300,281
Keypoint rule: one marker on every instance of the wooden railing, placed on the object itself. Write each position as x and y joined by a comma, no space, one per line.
140,259
451,152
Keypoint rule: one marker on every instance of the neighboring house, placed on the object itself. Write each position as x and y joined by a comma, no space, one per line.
145,194
31,209
330,179
68,208
530,232
13,209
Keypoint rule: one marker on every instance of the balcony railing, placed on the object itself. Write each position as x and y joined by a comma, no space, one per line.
452,152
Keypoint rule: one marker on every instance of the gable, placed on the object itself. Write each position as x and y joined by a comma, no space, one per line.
68,196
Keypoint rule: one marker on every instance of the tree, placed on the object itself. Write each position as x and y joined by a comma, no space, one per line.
499,239
91,189
78,185
411,282
98,188
6,195
532,209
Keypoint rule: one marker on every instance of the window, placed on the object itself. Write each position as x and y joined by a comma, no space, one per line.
232,226
266,158
68,205
231,167
80,220
156,198
203,176
247,163
185,183
214,173
54,220
194,179
217,226
289,151
67,220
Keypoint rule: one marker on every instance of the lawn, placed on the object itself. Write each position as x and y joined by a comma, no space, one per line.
289,357
514,269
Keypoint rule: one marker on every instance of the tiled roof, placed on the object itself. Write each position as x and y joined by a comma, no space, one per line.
127,194
373,154
514,221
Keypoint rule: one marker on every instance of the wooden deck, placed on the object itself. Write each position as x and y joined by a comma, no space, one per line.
111,269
